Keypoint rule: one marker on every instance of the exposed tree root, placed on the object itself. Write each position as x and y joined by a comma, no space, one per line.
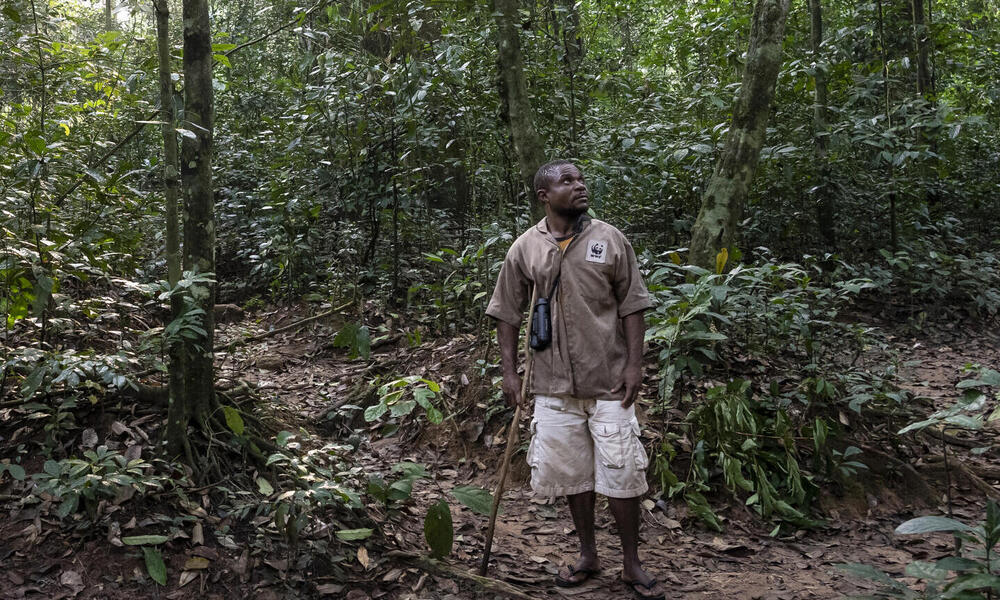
974,475
442,568
948,438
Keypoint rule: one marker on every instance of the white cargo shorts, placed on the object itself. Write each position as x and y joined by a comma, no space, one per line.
582,445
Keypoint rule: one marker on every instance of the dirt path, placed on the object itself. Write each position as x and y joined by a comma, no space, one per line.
534,536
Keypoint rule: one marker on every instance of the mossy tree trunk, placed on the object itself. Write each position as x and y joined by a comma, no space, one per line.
199,227
514,95
717,225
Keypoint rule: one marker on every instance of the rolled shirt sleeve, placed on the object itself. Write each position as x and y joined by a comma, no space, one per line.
510,295
630,291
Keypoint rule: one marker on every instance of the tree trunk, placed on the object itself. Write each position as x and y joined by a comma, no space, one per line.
171,182
199,225
921,43
722,205
109,20
573,51
826,208
514,93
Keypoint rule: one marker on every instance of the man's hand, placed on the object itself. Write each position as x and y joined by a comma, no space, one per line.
512,389
631,381
635,326
507,338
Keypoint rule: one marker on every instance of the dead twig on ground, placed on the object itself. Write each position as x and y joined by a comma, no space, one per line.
442,568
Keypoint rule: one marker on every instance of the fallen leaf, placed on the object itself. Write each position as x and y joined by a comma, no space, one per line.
363,557
196,562
197,535
278,564
187,577
88,439
71,579
329,589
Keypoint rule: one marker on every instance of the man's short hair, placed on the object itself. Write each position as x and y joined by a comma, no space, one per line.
547,172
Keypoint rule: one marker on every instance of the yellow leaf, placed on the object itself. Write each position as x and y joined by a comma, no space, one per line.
196,562
363,557
720,260
675,258
65,127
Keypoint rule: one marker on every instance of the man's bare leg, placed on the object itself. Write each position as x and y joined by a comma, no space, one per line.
581,506
626,513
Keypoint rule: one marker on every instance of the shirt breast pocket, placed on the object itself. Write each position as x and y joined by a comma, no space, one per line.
596,283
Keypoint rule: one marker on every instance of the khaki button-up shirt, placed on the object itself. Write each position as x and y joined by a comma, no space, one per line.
599,283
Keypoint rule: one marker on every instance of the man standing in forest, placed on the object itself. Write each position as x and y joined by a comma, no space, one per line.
585,436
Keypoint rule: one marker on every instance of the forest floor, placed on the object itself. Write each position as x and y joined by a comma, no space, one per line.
298,378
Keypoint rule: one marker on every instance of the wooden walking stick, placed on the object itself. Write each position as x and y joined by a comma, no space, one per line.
511,437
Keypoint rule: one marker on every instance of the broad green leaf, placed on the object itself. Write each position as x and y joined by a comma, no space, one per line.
972,582
144,540
869,572
264,486
16,471
477,499
36,144
233,420
283,437
34,381
925,570
401,409
930,525
438,529
375,412
354,534
154,565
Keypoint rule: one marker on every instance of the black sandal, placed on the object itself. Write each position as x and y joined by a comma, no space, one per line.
644,591
573,571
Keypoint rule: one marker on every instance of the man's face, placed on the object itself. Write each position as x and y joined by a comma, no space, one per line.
566,194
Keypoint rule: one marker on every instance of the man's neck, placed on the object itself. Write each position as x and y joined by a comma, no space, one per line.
561,226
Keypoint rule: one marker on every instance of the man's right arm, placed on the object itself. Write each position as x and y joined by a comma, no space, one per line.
507,338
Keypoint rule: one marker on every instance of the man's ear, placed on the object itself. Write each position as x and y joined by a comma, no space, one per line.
542,195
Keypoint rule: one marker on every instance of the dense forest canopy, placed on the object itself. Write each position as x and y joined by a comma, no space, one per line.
789,173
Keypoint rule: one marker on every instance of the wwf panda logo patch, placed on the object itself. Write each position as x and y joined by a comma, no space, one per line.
597,251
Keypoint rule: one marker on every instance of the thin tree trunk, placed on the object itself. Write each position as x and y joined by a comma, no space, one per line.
109,20
826,208
199,224
888,120
171,183
921,44
722,205
527,142
573,50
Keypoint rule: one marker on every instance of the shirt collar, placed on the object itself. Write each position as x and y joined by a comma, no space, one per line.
582,223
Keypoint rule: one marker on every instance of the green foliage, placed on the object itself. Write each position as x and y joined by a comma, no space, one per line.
395,494
965,575
100,474
356,338
753,446
399,397
477,499
154,565
438,529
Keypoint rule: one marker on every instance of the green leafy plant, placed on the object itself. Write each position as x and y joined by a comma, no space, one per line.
100,474
400,396
966,575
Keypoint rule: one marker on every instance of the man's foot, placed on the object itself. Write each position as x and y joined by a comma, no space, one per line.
574,575
644,586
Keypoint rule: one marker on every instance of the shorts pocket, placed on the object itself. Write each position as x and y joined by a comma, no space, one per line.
531,456
610,445
639,452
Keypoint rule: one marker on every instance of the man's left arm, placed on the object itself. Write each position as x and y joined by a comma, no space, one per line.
635,329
